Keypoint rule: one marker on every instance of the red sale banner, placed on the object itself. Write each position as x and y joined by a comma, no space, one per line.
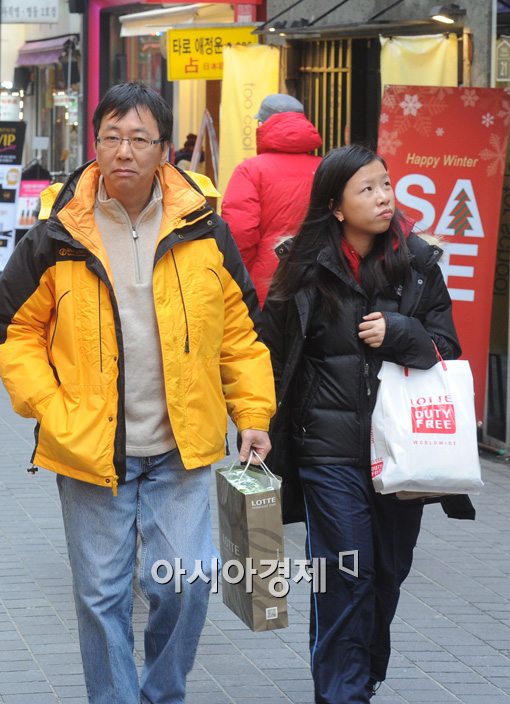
446,152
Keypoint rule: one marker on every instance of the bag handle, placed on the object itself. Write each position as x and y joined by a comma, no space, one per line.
262,464
439,359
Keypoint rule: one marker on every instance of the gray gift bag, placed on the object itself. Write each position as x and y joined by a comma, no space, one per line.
251,531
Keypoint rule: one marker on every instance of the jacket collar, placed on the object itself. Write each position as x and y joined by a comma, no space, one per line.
425,253
73,208
115,211
328,260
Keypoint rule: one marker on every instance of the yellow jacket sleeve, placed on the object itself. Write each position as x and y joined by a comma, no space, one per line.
245,362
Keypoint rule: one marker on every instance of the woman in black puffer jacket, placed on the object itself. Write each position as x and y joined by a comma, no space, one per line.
354,287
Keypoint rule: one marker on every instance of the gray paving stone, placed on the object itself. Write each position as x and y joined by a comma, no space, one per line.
16,665
21,676
67,691
16,687
476,699
294,685
436,697
30,699
275,699
218,698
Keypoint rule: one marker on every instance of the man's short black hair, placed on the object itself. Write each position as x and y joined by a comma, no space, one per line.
123,97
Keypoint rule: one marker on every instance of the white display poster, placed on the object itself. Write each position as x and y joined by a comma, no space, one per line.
10,177
12,136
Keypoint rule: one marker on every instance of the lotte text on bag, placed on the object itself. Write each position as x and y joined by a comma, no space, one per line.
251,538
424,437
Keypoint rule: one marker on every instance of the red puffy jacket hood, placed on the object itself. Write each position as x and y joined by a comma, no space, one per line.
288,132
267,195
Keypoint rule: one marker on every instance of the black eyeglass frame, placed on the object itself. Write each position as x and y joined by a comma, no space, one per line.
118,141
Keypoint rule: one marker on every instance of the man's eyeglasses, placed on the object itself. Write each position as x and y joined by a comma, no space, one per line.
138,143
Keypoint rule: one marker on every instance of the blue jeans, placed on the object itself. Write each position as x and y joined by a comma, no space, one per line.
350,622
168,507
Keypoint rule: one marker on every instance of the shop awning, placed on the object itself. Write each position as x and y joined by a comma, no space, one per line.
154,21
43,51
297,21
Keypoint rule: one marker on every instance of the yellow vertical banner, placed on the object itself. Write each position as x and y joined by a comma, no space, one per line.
431,60
249,74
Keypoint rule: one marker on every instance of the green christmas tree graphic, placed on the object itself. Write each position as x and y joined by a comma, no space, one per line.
461,213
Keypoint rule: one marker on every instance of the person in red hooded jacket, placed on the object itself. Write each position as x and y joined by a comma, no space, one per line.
267,195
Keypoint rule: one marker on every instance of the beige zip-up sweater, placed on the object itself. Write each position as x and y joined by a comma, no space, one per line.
131,251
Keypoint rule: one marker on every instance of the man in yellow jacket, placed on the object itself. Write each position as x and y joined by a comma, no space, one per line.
128,330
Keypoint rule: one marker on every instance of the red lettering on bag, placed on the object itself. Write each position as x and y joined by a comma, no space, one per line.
434,418
426,400
377,467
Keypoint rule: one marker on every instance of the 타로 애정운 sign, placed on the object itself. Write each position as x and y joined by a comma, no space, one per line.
198,52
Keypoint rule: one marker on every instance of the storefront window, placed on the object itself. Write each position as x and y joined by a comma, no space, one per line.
497,392
65,115
497,422
144,60
57,87
134,58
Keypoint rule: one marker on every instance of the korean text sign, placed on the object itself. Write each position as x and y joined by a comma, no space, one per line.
198,52
446,150
29,11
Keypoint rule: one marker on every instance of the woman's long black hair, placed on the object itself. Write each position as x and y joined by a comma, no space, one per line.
386,266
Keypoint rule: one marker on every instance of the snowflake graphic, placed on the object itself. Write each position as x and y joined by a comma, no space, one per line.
487,119
410,105
469,98
384,118
440,132
496,155
442,92
504,113
427,102
389,142
390,99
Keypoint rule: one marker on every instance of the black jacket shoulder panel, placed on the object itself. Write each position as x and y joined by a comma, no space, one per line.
32,257
424,254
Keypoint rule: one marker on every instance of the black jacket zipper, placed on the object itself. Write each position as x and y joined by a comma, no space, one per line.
186,342
56,317
99,324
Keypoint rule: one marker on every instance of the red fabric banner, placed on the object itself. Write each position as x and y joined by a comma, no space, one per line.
446,152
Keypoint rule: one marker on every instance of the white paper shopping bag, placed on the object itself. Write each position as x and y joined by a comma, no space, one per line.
424,435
